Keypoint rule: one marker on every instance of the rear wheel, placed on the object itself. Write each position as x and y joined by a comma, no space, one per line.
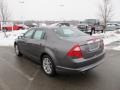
17,51
48,65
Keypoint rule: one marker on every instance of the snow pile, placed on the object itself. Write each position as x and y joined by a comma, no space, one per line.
11,36
116,48
109,37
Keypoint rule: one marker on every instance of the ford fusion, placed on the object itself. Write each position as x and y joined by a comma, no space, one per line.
61,49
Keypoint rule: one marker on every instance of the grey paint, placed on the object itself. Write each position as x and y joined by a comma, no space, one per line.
57,48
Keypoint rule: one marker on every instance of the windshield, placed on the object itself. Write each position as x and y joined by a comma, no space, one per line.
69,32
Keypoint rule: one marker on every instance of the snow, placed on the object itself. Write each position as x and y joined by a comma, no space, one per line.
116,48
109,37
11,36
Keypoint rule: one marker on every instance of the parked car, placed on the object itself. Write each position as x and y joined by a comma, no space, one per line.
12,27
82,27
99,28
90,29
111,27
61,49
85,28
23,25
60,24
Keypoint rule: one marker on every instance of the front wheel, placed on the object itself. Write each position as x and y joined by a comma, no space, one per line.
17,51
48,65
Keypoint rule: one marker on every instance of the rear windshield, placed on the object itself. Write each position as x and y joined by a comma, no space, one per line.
69,32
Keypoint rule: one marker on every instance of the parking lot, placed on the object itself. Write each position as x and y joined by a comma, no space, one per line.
24,74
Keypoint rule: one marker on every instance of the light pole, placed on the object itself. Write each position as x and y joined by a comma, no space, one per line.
22,6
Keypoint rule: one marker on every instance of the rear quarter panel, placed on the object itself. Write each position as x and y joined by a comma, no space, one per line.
58,49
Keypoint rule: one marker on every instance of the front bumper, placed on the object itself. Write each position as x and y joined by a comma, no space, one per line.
83,65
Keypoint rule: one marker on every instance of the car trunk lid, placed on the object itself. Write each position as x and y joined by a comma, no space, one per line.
90,46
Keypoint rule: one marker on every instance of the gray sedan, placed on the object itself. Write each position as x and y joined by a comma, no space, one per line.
61,49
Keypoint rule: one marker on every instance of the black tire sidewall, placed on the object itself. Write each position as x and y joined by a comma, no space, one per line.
19,53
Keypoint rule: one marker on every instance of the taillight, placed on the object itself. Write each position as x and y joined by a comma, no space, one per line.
75,52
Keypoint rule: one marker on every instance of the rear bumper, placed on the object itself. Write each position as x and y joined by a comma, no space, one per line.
83,65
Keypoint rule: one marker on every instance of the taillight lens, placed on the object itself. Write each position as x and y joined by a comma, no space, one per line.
75,52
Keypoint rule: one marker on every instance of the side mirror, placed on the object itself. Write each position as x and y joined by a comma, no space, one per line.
21,36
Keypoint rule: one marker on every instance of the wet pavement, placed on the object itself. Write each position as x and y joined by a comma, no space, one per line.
21,73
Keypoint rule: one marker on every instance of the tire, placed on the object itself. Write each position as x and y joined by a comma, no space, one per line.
5,29
91,33
48,66
17,51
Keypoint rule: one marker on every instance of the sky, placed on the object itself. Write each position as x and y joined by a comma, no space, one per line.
58,9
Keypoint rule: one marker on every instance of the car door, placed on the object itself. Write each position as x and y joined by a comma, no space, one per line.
36,44
25,40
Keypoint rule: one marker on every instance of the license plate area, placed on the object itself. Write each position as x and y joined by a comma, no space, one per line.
93,45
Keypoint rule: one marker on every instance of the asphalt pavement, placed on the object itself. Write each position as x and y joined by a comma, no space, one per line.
21,73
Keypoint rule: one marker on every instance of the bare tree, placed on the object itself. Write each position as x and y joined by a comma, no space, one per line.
105,12
4,14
